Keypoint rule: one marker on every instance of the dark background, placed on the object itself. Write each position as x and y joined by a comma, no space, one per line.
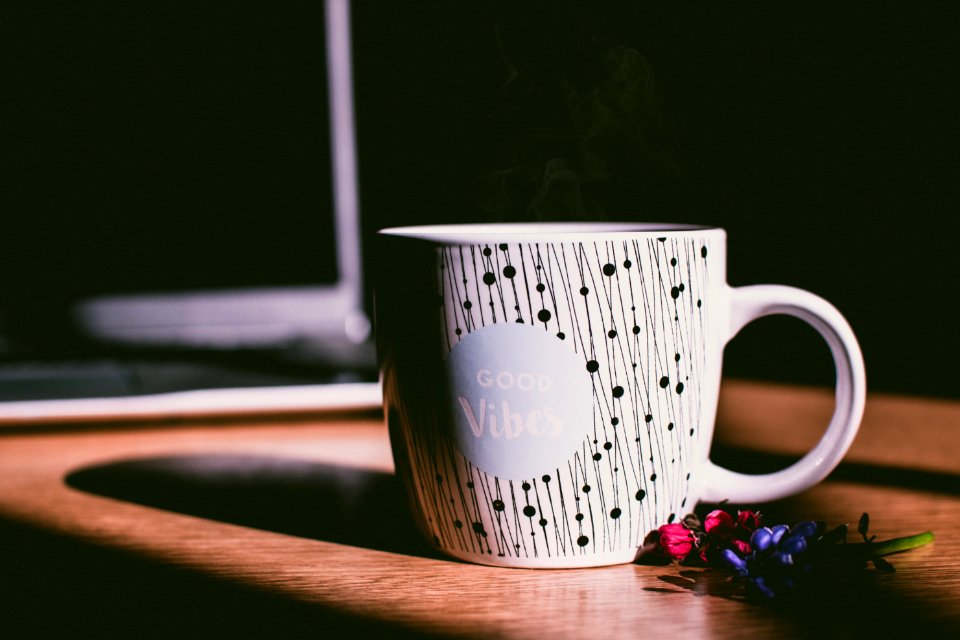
823,138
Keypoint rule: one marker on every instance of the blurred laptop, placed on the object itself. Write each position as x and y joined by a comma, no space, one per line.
206,259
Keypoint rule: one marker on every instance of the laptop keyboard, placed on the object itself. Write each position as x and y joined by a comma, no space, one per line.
50,380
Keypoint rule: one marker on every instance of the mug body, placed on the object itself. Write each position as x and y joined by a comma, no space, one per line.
550,389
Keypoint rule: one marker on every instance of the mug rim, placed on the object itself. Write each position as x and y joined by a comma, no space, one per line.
543,231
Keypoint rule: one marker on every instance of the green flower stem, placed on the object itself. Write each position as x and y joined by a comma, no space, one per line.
901,544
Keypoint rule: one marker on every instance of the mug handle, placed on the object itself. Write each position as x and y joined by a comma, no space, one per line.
746,305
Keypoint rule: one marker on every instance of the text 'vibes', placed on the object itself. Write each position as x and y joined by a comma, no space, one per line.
522,401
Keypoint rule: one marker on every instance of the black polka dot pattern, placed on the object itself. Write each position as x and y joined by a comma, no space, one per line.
635,313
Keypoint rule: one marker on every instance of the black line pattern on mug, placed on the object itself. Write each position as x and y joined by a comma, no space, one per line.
634,313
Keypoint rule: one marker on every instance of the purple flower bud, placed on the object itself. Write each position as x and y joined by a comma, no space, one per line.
794,545
734,560
778,532
782,559
806,529
762,539
762,587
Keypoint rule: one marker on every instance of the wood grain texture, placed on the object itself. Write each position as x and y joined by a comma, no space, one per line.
897,431
49,484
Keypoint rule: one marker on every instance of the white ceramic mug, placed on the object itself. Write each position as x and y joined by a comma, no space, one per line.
551,389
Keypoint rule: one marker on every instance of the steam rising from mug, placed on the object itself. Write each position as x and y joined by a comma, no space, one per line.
580,139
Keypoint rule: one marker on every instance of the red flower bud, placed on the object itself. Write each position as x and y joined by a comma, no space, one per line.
742,546
676,541
719,523
749,520
705,550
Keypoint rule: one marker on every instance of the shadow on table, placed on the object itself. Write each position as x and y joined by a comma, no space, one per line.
369,509
747,461
839,605
284,495
57,586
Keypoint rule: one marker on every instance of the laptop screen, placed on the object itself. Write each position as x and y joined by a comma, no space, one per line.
202,160
185,173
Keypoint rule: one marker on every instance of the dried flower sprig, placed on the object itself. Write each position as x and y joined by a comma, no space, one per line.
774,561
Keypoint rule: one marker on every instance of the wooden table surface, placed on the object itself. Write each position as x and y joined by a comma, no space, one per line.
266,527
